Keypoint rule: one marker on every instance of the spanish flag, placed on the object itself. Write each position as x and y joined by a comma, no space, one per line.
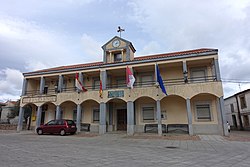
100,91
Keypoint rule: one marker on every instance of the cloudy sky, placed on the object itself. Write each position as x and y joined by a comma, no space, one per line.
37,34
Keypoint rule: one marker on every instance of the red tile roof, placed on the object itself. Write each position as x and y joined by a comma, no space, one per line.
172,54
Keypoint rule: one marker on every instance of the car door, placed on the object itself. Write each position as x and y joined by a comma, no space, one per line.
48,128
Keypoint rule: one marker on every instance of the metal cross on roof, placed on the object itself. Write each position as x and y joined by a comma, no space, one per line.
120,30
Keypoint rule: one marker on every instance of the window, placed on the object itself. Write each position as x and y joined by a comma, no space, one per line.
45,89
232,107
203,112
243,103
117,57
121,83
96,84
148,113
96,115
53,122
198,75
147,80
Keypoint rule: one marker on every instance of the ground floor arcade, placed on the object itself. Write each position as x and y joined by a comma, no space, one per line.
202,113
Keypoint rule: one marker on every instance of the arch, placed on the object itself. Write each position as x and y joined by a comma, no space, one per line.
116,100
66,102
27,104
144,97
173,95
174,110
204,93
48,102
86,100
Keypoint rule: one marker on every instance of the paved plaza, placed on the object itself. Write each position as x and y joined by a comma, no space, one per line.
30,150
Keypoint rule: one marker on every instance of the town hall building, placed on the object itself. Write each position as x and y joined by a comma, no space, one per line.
194,95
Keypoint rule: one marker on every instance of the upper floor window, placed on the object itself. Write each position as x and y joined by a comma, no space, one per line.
243,103
117,57
121,82
198,74
232,108
45,89
96,83
203,111
147,80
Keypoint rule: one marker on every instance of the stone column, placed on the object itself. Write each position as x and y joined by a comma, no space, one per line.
111,115
78,118
223,119
24,89
189,115
158,111
102,124
185,71
217,69
38,117
103,77
20,119
58,112
60,83
42,83
130,118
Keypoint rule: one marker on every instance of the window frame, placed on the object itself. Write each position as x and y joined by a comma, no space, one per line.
154,113
243,103
193,69
93,118
210,111
115,57
150,74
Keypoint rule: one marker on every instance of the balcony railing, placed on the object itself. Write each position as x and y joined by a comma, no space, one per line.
168,82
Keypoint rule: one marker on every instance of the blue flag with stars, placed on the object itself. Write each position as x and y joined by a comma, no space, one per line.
159,80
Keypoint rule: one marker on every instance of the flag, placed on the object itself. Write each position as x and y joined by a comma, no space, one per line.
100,91
78,84
159,80
130,79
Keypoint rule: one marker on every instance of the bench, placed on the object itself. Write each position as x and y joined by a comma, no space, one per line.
85,127
153,128
183,128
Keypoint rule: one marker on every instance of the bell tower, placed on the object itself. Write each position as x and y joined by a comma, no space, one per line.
118,50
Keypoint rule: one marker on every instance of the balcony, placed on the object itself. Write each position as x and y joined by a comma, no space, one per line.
178,86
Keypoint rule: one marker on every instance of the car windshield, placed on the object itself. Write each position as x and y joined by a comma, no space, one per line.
70,122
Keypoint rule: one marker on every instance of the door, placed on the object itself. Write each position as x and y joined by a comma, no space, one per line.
234,121
122,119
246,120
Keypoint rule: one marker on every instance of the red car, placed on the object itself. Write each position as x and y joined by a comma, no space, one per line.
62,127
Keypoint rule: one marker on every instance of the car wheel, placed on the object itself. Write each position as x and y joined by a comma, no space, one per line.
62,132
39,131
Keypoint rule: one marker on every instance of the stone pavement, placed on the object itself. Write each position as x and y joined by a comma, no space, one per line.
29,149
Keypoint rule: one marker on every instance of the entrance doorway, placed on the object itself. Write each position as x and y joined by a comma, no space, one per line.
234,121
122,119
246,120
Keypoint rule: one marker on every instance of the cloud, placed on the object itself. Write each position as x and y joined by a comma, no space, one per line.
91,48
27,44
10,84
181,25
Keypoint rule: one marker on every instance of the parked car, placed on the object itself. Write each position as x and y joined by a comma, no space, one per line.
62,127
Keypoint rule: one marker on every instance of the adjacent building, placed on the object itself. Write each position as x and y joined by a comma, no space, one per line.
191,78
237,110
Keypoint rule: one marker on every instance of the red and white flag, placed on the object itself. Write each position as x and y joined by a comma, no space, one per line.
78,84
130,79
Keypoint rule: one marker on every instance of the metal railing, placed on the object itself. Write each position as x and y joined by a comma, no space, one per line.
137,84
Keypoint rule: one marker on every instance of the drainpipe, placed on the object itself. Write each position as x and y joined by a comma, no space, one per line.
239,115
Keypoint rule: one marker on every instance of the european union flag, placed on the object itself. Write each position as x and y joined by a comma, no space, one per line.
159,80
